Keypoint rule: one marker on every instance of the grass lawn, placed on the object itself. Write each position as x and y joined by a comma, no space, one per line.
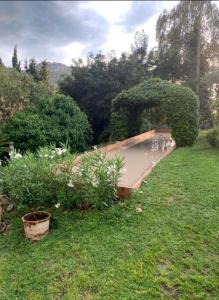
169,251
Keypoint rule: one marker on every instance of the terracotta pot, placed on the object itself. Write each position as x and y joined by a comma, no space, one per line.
36,225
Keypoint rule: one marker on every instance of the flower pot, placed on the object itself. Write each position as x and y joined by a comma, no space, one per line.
36,224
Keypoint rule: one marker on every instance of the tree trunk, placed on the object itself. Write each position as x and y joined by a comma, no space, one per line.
198,55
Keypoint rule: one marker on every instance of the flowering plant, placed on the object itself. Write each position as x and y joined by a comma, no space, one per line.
55,177
94,180
28,180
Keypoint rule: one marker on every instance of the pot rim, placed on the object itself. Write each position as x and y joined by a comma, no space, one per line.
38,221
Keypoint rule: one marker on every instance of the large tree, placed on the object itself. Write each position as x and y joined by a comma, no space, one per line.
188,38
95,83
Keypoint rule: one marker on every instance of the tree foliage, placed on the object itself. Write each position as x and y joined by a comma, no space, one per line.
97,82
176,106
44,73
15,63
53,121
32,69
17,91
188,38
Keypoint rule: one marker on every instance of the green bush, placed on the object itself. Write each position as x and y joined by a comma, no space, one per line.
93,182
53,121
28,180
213,137
171,104
18,90
50,177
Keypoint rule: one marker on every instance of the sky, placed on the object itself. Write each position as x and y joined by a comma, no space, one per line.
62,30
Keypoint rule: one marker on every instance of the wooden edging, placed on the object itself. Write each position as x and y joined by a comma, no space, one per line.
124,192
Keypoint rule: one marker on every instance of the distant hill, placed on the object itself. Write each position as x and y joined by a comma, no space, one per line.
56,70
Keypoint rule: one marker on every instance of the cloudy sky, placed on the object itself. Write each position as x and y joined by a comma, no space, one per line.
60,30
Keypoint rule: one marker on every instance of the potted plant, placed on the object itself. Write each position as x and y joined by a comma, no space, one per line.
36,224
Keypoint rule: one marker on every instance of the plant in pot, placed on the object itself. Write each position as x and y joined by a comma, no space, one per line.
28,181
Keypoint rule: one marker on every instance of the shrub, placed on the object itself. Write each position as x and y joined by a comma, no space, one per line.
53,121
27,131
28,180
51,177
93,182
173,105
17,91
213,137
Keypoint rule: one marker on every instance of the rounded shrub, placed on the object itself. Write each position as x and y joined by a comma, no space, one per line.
173,105
53,121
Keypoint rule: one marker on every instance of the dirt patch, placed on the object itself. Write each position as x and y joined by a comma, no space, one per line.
171,292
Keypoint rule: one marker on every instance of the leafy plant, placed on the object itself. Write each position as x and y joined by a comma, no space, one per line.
53,176
54,120
213,137
170,104
28,180
93,182
17,91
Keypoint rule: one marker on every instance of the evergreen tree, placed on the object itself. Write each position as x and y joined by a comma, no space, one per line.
1,63
32,69
15,63
44,74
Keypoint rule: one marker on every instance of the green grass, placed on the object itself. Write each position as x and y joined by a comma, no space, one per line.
169,251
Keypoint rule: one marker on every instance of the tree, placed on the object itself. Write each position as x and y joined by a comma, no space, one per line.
140,45
32,69
188,38
97,82
17,91
15,63
1,63
43,73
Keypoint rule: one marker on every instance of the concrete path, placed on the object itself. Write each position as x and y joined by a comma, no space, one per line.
140,159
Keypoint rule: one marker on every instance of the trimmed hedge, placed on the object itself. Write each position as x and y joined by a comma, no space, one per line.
175,106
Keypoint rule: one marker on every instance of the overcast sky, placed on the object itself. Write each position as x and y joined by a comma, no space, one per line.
62,30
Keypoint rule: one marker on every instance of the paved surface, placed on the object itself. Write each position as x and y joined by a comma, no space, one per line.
140,158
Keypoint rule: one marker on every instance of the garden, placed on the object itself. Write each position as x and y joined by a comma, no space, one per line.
109,175
162,243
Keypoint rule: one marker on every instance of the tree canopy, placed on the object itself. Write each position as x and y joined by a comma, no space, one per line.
94,84
188,47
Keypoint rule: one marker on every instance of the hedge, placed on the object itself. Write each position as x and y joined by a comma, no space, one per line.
173,105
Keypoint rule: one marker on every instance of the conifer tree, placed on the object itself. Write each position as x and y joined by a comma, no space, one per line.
15,63
44,74
32,69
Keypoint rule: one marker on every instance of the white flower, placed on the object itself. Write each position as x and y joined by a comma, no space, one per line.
139,210
15,155
95,147
70,184
60,151
57,205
